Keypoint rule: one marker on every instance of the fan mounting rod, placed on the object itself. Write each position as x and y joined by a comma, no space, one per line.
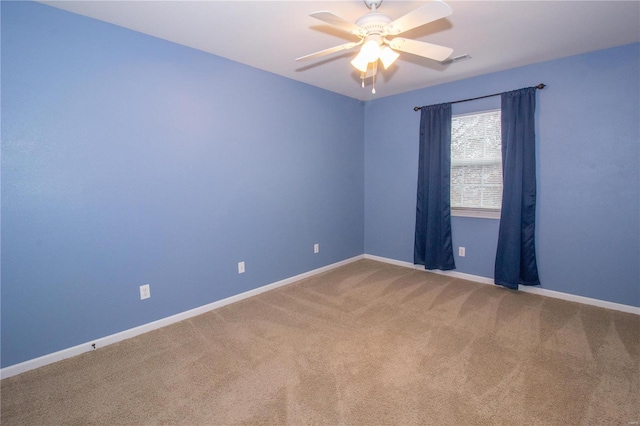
373,4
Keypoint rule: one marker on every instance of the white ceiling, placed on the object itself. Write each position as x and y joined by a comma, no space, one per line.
269,35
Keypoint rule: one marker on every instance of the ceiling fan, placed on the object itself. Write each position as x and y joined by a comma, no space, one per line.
374,30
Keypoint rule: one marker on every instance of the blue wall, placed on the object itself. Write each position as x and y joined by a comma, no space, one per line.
129,160
588,151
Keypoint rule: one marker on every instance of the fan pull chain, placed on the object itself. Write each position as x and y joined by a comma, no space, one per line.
362,79
375,71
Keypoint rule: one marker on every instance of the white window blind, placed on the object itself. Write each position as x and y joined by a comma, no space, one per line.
476,164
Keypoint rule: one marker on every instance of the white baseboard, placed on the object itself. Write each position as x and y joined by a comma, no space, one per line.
31,364
529,289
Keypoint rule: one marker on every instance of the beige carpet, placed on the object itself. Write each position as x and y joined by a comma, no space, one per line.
364,344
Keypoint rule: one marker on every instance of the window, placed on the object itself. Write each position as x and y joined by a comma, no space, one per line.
476,165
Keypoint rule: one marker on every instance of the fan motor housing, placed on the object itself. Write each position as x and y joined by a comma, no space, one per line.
373,22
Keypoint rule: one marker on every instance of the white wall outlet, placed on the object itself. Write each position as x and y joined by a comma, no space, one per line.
145,292
316,248
241,267
461,251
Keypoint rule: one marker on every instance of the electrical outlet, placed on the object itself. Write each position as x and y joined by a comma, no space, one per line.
145,292
316,248
241,267
461,251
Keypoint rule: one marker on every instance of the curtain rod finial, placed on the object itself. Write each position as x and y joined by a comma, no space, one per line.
541,86
416,108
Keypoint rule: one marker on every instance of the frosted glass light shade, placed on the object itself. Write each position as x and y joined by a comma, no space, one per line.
360,63
388,56
370,50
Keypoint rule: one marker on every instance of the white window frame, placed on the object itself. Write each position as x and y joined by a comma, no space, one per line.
483,213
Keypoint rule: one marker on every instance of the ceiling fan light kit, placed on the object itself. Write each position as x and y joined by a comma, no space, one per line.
374,27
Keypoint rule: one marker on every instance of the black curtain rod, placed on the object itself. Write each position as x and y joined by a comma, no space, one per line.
539,86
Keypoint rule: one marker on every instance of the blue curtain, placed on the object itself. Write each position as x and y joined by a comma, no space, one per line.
516,254
433,247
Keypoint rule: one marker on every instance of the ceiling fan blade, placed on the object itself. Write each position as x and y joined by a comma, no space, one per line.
430,12
338,22
420,48
329,51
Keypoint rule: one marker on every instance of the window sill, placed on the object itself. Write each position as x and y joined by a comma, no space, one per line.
479,213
